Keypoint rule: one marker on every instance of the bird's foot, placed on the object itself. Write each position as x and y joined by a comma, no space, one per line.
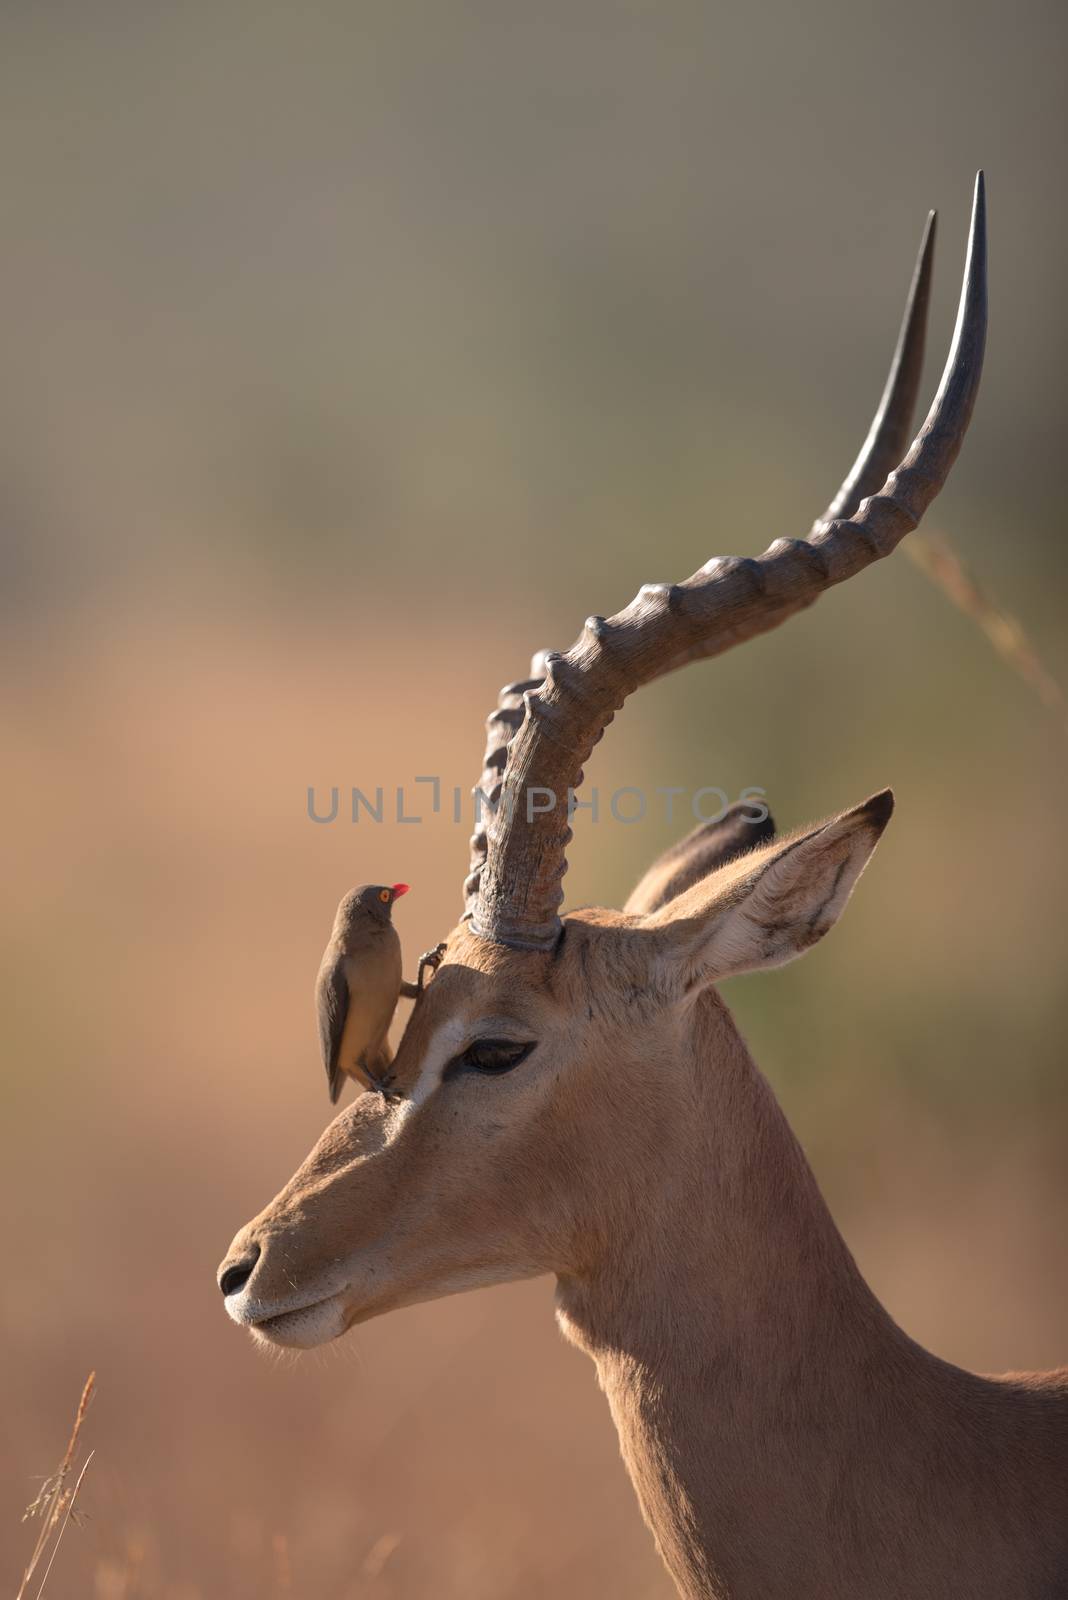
431,959
384,1086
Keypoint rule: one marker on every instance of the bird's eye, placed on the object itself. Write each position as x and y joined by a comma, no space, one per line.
491,1056
384,896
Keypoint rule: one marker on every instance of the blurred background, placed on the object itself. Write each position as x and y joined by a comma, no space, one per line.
351,352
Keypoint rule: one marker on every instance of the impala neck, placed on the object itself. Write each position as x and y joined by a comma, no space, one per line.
742,1354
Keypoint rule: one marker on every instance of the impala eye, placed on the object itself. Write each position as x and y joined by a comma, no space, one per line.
492,1056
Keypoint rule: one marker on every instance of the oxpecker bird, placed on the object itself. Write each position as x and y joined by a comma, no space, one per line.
358,986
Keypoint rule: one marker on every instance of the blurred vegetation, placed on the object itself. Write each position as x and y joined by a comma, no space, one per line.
353,351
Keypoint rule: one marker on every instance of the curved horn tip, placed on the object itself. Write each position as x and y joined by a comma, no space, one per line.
970,327
977,230
979,201
888,436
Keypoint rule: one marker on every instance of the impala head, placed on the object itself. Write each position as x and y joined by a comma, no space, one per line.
544,1070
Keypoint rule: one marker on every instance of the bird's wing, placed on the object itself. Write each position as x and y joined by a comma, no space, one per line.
332,1005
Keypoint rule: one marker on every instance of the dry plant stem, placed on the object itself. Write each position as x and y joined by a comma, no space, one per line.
67,1516
53,1496
936,557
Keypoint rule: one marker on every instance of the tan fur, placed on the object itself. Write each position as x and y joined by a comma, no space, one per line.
786,1440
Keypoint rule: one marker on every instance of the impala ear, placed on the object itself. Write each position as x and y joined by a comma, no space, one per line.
765,908
711,845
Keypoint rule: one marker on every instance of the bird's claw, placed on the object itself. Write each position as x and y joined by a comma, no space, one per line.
431,959
384,1087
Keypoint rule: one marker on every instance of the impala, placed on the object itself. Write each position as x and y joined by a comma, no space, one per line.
571,1096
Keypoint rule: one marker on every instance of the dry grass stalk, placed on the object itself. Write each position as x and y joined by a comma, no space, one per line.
935,556
55,1500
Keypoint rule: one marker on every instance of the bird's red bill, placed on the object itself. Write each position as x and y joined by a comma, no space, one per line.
397,889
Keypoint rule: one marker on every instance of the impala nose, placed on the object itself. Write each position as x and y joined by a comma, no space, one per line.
233,1275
